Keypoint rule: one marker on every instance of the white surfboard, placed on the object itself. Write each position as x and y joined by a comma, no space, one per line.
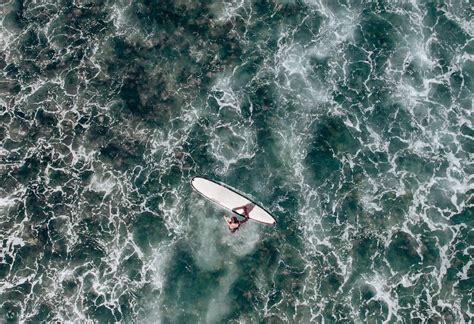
229,199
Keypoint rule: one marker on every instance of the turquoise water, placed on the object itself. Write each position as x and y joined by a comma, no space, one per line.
351,121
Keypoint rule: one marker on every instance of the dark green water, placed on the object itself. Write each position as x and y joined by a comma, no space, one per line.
351,121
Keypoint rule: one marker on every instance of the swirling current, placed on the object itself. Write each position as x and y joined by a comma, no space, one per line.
349,120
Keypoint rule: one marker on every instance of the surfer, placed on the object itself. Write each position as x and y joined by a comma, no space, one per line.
233,223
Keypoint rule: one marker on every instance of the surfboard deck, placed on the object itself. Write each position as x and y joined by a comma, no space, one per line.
228,198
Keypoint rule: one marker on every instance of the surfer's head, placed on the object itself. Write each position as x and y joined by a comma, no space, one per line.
234,219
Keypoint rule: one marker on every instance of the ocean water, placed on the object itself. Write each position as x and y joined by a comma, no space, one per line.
350,120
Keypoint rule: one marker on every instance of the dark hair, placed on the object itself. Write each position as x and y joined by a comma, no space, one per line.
234,219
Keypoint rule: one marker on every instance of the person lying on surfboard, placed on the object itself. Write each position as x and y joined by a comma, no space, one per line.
233,223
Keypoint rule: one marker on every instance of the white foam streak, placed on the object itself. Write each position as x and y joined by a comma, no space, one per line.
121,25
232,137
383,294
103,183
231,10
218,306
6,202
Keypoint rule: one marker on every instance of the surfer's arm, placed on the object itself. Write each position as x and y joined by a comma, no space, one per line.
244,208
227,220
244,220
237,208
